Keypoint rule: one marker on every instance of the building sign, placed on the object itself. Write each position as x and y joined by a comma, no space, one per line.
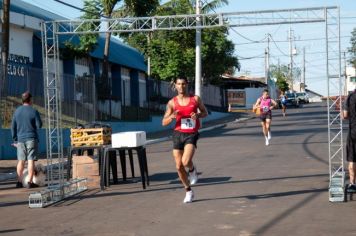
17,65
236,97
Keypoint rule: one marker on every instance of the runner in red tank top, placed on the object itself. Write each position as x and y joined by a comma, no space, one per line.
186,110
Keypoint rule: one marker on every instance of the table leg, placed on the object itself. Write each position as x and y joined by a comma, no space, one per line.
131,164
123,163
146,165
103,169
142,169
113,164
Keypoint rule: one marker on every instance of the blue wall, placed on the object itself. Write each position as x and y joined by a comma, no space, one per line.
7,152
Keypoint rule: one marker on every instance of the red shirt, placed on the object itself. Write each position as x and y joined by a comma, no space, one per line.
184,123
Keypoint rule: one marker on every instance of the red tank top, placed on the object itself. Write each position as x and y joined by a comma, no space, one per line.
184,123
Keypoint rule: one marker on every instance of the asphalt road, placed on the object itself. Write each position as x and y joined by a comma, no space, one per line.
245,188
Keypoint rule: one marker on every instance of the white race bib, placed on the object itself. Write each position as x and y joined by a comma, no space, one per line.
265,109
187,123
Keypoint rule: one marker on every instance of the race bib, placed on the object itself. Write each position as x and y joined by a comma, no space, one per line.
265,109
187,123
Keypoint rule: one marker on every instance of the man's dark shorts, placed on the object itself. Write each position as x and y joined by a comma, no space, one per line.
265,116
180,139
350,149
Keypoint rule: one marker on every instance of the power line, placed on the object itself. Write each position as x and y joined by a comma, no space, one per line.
296,40
278,47
81,9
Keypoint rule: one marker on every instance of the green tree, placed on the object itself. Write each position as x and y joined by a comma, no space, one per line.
352,49
95,9
172,53
280,72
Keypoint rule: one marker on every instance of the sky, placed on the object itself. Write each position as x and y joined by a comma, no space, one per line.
251,54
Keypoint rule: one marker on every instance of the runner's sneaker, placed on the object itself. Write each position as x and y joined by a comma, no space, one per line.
267,141
189,197
19,185
269,135
193,176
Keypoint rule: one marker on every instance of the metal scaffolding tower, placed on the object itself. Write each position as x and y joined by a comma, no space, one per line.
51,31
334,103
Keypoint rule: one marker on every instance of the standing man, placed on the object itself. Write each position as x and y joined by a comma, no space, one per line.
265,104
349,112
25,122
184,109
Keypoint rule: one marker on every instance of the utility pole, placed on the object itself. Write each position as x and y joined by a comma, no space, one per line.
291,58
303,74
345,74
5,34
267,60
198,50
149,35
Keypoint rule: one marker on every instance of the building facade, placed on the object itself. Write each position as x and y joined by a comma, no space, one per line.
127,70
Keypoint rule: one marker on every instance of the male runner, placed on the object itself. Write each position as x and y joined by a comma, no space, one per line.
349,112
265,104
283,99
184,109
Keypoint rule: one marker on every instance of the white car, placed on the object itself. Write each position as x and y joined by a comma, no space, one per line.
303,97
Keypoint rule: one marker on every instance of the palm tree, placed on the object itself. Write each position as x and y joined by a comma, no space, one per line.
207,6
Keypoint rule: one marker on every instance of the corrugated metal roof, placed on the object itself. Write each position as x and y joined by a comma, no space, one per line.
120,53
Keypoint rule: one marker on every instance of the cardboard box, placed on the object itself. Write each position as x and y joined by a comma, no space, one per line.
128,139
93,181
84,170
87,167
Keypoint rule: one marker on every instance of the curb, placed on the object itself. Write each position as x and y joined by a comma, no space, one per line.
12,175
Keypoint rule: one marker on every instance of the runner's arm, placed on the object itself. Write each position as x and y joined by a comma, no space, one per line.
202,110
169,115
274,104
257,103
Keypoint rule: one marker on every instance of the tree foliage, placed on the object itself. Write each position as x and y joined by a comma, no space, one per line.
352,49
172,53
281,74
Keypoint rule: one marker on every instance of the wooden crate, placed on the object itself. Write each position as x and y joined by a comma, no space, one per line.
90,137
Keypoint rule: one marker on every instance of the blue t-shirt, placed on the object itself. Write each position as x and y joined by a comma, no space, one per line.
25,122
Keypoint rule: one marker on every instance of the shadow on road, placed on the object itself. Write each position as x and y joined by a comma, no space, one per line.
10,231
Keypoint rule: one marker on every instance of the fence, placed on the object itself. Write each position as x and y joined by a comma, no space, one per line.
161,91
79,100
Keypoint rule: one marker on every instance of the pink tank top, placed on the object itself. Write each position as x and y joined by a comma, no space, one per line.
265,104
184,123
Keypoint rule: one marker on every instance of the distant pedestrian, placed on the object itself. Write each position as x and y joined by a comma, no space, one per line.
25,123
186,109
349,112
283,99
265,104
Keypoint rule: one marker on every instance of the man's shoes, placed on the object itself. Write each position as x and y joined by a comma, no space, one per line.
189,197
193,176
19,185
32,185
351,187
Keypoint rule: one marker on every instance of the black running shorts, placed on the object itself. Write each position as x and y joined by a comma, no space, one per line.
180,139
265,116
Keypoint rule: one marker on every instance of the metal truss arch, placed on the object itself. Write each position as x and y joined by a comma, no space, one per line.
52,30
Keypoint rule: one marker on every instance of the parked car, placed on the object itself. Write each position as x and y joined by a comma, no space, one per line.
303,97
292,100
